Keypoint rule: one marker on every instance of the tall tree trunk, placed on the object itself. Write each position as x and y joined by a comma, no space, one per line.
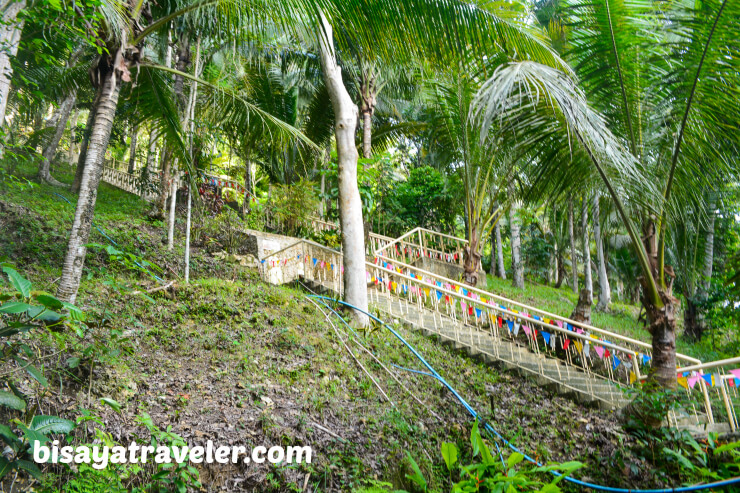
164,183
589,287
151,155
694,321
572,239
84,145
72,134
471,255
10,37
661,316
166,166
105,110
247,185
368,96
171,215
516,243
605,294
51,148
132,151
353,239
499,251
708,249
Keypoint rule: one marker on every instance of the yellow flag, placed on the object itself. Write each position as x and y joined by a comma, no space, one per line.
633,377
683,382
579,345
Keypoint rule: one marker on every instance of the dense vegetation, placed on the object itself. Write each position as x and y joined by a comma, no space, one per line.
587,152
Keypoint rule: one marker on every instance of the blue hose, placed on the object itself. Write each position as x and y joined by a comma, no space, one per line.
111,240
487,426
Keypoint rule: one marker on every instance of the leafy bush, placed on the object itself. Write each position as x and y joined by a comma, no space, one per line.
24,310
292,206
491,473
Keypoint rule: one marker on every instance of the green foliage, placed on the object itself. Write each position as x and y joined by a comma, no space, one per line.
327,237
22,311
491,474
292,206
128,261
423,200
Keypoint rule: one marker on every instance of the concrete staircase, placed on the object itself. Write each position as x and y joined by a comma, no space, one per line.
582,386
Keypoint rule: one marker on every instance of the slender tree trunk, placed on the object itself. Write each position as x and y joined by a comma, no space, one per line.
151,155
321,200
72,134
589,287
171,215
367,122
50,151
187,236
132,151
516,243
345,114
499,251
694,320
708,250
10,37
605,294
89,125
368,96
164,183
105,110
572,239
247,185
472,256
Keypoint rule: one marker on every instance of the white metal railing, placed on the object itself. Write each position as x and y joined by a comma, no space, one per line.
479,316
422,242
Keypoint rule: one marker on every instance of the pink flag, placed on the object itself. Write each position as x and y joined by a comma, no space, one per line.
736,373
599,350
559,323
526,329
692,381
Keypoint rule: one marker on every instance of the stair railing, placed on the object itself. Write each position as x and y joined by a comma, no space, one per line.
480,312
422,242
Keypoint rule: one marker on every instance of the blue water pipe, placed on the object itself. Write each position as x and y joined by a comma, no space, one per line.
433,373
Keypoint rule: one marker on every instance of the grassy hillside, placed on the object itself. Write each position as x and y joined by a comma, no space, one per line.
231,359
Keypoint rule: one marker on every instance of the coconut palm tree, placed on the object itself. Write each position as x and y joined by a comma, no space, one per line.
664,78
453,138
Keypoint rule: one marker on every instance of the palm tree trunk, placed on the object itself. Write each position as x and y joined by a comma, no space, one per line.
709,249
105,110
368,100
72,133
516,243
572,239
367,122
132,151
605,295
151,155
50,151
353,239
661,317
10,36
171,215
247,185
164,183
499,251
589,287
84,145
472,256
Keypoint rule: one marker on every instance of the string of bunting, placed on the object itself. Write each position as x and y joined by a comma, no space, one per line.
502,314
322,264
